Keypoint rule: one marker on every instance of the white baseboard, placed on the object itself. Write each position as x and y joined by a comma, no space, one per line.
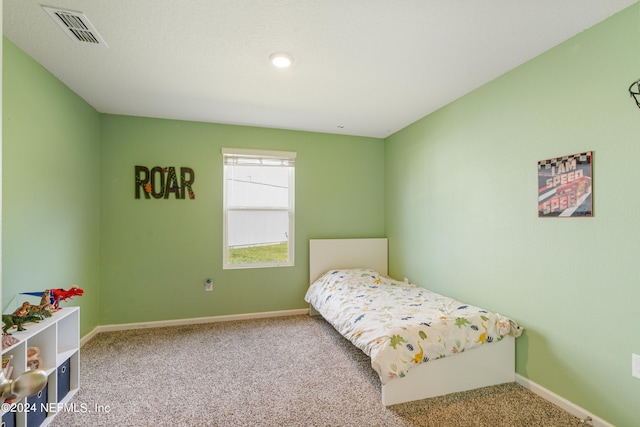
191,321
88,336
560,401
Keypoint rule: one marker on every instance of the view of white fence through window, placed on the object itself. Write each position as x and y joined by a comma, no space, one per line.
259,211
258,190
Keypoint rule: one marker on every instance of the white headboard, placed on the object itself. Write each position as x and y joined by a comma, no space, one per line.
326,254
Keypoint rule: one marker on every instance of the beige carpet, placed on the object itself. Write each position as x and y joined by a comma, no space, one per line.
288,371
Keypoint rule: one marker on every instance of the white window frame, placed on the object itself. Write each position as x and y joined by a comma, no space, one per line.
233,156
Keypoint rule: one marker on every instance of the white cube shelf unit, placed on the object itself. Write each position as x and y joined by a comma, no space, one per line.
58,339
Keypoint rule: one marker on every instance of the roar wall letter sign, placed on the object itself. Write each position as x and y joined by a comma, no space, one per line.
160,182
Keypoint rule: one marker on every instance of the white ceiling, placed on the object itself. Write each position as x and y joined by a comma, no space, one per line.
362,67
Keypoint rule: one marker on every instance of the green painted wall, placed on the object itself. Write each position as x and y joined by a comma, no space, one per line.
1,161
50,187
461,213
157,253
70,216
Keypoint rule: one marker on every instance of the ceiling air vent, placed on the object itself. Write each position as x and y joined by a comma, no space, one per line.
76,25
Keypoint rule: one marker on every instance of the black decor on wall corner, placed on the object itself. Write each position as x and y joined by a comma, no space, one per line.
634,92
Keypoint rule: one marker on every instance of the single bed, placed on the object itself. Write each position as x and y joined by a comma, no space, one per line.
419,370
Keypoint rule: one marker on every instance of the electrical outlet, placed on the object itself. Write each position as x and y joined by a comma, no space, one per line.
635,365
208,285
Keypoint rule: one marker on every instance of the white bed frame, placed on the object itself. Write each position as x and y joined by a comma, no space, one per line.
480,367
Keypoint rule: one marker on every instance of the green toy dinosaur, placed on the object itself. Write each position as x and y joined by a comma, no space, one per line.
11,320
25,314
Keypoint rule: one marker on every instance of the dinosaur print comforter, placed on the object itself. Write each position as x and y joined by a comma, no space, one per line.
401,325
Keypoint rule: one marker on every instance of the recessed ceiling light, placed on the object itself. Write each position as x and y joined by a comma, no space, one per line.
281,59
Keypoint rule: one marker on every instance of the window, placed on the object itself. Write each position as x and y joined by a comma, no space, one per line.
258,208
